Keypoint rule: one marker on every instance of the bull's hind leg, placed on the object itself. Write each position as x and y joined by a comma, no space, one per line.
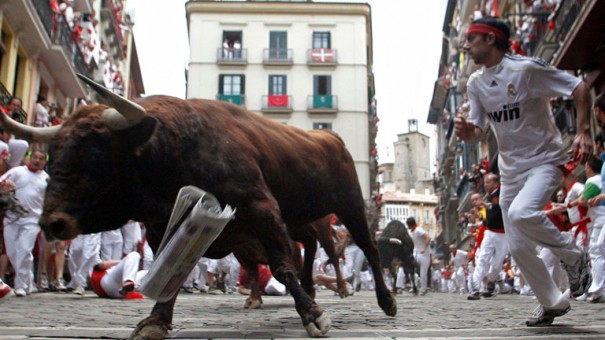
353,217
157,324
272,234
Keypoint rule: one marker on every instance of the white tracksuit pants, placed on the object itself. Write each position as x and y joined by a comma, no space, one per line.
19,240
490,257
597,257
423,261
126,270
83,254
522,198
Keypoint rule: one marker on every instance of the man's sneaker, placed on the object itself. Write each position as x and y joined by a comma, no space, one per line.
43,286
188,289
127,287
79,290
579,275
5,292
212,291
593,298
544,317
60,284
474,296
20,292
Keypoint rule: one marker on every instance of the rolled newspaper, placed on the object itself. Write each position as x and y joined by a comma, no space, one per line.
202,222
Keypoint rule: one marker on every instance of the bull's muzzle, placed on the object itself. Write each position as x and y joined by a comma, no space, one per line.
59,226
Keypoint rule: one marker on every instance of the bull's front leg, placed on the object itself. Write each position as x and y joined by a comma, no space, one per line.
255,300
157,324
279,249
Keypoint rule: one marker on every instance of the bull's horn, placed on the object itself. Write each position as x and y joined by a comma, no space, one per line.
29,133
126,113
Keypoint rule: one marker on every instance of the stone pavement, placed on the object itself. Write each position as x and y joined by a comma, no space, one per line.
201,316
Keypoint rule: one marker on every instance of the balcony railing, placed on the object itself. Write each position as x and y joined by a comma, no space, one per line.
232,57
321,57
278,56
276,103
59,33
109,10
237,99
322,103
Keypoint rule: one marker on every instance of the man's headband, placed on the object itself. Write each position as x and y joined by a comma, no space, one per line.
485,29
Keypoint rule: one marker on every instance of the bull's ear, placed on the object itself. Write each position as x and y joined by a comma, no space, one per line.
137,135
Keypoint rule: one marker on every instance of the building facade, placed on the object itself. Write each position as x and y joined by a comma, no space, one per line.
44,44
300,63
567,34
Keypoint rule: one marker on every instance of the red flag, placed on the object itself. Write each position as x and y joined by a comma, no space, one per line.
280,100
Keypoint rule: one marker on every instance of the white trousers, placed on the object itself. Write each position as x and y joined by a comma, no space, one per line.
553,264
19,240
83,254
126,270
597,258
353,262
423,261
459,279
490,257
522,199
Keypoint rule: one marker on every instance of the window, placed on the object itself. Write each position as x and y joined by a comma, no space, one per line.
277,84
278,94
319,126
278,45
231,88
322,92
232,45
321,40
396,212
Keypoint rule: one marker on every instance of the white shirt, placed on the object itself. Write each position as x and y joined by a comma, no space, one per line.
513,97
460,258
572,195
419,241
29,190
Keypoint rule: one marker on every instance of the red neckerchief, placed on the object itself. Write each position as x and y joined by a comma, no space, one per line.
29,167
414,228
496,188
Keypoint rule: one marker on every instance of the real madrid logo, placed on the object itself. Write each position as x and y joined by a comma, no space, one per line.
512,92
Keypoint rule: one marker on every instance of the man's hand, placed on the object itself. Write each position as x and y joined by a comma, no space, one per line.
582,148
464,129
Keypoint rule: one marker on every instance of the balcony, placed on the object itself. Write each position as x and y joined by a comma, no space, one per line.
276,103
322,103
278,56
321,57
236,99
234,57
112,14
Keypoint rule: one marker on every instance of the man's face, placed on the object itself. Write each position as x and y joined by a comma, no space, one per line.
37,160
477,200
476,45
14,105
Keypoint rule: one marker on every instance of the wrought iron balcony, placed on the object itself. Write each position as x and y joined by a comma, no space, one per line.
232,56
322,103
61,34
278,56
237,99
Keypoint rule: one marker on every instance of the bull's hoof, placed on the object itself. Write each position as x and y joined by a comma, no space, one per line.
343,293
150,328
252,304
388,304
319,327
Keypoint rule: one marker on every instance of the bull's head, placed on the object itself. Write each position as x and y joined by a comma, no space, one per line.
92,155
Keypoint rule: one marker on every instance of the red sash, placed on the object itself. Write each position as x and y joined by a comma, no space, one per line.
95,281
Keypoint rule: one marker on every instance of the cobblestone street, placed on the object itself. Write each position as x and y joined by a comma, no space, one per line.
200,316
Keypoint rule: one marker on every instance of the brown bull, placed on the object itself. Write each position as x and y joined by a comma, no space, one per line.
128,161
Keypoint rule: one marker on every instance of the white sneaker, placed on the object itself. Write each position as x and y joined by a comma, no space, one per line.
79,291
20,292
43,282
31,290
